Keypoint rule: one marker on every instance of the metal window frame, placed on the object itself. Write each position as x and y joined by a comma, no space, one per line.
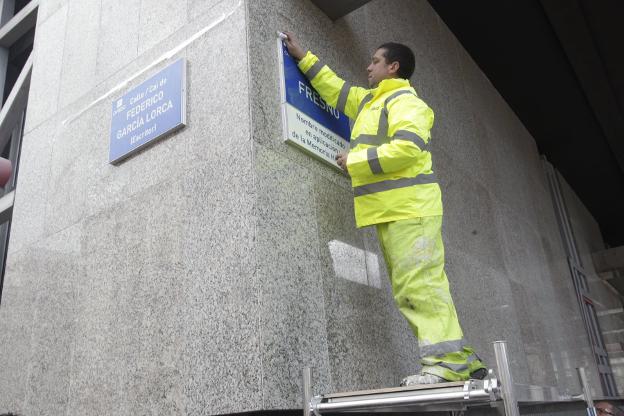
19,24
581,287
12,114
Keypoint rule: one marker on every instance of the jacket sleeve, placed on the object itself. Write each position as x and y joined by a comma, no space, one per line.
335,91
409,123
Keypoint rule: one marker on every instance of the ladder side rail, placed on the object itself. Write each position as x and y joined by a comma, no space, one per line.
507,386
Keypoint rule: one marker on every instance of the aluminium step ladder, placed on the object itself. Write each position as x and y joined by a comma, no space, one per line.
453,397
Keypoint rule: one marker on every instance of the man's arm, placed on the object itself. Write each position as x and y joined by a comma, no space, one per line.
333,89
410,121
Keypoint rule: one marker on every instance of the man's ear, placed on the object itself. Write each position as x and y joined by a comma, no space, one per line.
394,67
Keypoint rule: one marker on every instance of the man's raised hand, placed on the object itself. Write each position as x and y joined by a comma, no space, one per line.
294,49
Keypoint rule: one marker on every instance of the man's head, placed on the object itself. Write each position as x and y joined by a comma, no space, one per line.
607,409
390,60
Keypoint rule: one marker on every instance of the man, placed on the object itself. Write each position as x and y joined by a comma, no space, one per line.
607,409
394,188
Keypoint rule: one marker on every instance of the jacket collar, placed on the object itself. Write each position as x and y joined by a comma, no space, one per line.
390,84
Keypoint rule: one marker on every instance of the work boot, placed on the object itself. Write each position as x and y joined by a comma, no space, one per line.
479,374
427,378
423,378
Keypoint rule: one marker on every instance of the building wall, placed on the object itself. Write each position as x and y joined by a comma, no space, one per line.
505,259
130,289
202,274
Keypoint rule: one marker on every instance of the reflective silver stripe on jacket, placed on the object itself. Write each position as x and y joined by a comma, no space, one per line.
382,130
383,117
363,103
373,160
412,137
374,140
342,98
314,70
442,348
373,188
382,127
395,95
371,139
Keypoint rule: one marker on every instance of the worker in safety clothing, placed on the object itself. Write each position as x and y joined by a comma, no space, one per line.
394,188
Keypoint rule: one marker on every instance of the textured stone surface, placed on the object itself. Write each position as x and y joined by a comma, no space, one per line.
47,8
155,311
292,312
197,8
486,308
354,334
211,135
81,49
469,210
28,223
17,316
47,67
167,15
59,291
502,242
119,35
72,167
108,184
201,275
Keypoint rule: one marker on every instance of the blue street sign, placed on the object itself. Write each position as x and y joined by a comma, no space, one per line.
301,95
149,111
309,122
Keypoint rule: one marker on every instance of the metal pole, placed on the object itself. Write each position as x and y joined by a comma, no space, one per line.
591,410
504,373
385,402
307,391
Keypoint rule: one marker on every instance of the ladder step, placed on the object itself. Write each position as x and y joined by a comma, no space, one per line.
441,397
393,389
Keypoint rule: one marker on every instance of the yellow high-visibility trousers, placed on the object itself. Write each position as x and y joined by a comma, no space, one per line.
414,255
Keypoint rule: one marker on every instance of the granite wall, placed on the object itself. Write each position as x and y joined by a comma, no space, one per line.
130,289
506,261
202,274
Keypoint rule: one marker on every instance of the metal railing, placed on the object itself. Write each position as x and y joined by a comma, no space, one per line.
496,390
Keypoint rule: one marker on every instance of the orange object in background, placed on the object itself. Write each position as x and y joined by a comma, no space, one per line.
5,171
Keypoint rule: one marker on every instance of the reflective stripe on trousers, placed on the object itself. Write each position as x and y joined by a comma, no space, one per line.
451,366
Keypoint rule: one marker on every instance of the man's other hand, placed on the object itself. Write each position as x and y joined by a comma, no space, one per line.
341,159
294,49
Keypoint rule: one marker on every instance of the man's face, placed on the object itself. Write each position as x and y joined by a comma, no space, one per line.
605,409
379,69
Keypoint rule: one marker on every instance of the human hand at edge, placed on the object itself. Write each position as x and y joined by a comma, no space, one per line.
341,160
294,49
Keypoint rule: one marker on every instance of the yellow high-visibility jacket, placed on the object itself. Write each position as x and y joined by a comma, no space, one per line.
389,161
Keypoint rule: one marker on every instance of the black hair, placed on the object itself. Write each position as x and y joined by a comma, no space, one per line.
397,52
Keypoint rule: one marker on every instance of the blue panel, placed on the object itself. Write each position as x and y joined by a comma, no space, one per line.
301,95
149,111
